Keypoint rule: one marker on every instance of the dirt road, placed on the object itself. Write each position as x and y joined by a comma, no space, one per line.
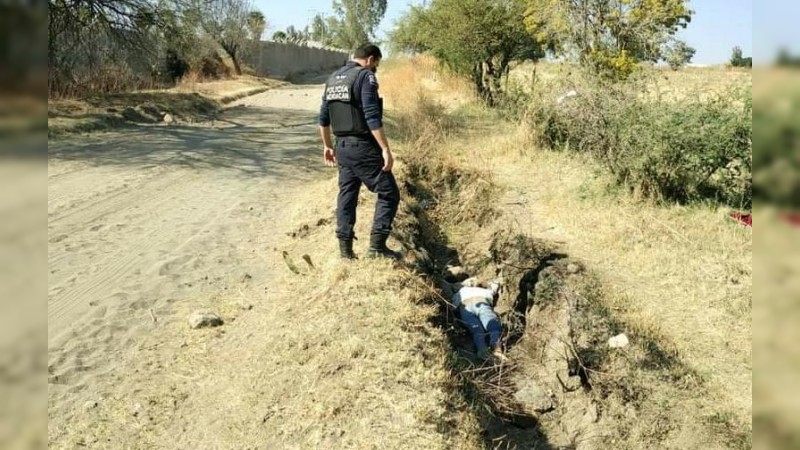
149,222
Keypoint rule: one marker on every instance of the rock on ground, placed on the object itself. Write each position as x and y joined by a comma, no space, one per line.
618,341
534,397
204,319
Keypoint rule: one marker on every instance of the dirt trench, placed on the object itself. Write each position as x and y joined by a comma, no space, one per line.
541,396
563,385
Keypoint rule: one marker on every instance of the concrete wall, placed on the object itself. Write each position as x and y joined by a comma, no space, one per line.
279,60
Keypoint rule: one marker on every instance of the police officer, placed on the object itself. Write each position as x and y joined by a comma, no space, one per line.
352,109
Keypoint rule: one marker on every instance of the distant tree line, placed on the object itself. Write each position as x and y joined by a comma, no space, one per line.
115,45
481,38
786,59
352,23
738,60
107,45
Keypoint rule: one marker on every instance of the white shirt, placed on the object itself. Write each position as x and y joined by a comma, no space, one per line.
472,295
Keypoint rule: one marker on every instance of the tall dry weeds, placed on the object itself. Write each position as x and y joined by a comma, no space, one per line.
671,379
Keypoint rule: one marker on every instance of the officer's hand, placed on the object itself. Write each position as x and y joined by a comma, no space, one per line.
329,157
388,160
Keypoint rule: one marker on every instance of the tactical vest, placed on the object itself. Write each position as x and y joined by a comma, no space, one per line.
344,103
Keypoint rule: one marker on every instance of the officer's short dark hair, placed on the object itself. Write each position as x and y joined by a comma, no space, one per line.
367,50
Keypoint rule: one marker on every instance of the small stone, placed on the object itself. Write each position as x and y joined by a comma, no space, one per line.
91,404
591,414
168,119
618,341
571,383
204,319
534,397
573,268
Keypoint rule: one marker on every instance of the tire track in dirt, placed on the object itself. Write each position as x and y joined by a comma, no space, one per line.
147,223
119,264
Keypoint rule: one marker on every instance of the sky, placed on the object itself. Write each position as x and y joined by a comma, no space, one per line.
717,25
775,27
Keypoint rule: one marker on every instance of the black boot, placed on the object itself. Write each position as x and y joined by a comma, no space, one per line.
346,249
378,249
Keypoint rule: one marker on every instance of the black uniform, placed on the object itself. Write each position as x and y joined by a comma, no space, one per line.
351,107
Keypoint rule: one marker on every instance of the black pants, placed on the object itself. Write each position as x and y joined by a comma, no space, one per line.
360,161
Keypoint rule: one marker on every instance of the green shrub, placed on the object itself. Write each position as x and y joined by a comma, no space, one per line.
678,150
777,119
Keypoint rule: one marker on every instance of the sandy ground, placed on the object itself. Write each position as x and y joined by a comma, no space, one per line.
147,224
132,210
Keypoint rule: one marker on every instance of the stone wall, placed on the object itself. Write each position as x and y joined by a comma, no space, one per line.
279,60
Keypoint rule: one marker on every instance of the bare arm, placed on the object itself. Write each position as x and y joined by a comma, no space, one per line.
328,155
325,133
388,158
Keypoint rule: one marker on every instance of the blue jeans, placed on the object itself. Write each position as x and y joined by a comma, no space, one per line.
482,321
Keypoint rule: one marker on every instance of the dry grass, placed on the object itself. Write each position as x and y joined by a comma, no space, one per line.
405,80
683,273
339,355
346,355
667,84
677,276
190,101
225,91
775,316
709,81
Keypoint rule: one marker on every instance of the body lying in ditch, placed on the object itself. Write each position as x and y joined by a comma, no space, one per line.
475,310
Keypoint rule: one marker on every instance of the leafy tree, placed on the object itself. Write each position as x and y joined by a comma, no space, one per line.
279,36
355,22
321,30
738,59
678,55
477,38
226,22
296,36
291,35
610,36
736,56
256,23
411,32
110,44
